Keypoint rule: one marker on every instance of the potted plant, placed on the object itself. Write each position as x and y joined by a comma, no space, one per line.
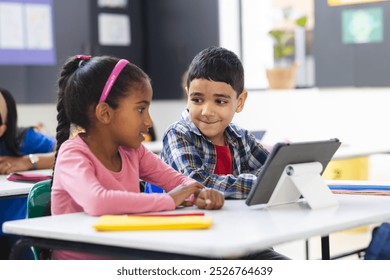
283,75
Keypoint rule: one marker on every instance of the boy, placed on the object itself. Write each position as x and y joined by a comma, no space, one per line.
204,144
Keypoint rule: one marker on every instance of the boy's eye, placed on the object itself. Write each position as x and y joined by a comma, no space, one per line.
219,101
141,110
196,100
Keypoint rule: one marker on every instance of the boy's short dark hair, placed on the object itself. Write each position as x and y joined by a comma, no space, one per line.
217,64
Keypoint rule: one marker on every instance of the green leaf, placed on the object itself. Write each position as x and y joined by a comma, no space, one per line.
301,21
277,35
284,39
288,50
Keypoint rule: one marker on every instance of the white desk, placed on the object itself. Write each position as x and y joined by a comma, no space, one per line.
12,188
237,230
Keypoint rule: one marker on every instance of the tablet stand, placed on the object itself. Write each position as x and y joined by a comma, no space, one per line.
303,179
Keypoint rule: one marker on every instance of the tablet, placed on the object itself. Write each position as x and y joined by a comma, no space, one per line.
284,154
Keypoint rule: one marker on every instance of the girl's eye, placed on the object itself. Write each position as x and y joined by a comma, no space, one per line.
141,110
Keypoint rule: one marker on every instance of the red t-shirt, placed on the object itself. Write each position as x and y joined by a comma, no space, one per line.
224,164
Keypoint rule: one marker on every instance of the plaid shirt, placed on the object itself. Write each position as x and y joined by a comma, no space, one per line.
189,152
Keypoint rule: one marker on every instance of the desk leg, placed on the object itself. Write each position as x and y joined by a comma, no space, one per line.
325,247
307,248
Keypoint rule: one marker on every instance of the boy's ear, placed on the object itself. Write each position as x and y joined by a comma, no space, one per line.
103,113
187,94
186,91
241,101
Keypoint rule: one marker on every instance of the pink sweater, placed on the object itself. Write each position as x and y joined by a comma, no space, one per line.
82,184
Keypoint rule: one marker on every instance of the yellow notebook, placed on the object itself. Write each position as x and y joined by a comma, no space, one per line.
125,222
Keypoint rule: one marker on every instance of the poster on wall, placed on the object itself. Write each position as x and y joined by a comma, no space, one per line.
351,2
362,26
114,30
26,32
112,4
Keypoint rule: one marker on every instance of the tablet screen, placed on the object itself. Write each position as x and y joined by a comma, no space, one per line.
284,154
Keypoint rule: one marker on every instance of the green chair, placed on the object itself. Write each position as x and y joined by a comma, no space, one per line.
37,204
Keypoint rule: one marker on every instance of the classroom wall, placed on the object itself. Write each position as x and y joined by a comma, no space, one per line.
176,30
350,64
358,117
355,116
163,113
165,36
37,84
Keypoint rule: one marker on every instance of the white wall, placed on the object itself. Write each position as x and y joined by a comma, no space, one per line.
163,113
256,44
355,116
29,115
358,117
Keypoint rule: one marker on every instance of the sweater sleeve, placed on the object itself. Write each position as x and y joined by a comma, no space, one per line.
35,142
82,183
157,172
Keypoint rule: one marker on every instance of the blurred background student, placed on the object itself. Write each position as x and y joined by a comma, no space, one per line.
20,149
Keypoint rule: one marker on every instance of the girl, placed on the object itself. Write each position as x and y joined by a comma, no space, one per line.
98,171
20,149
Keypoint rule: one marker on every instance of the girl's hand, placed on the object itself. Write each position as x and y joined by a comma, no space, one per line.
182,192
209,199
9,164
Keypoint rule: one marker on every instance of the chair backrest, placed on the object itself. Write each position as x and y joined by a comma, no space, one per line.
379,247
38,199
150,188
37,203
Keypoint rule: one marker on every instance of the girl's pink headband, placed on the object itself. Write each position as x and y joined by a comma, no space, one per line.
112,78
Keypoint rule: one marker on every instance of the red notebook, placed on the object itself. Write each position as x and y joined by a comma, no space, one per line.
27,177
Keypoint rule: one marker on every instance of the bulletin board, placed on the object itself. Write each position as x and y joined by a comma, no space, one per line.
350,44
26,32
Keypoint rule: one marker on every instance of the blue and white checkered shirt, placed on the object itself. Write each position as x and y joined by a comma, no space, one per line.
191,153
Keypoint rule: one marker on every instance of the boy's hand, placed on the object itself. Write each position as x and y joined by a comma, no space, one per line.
209,199
182,192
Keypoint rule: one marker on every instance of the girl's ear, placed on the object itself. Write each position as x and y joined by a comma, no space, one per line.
103,113
241,101
3,129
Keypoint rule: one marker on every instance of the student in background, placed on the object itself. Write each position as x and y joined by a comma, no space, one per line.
204,144
98,171
20,149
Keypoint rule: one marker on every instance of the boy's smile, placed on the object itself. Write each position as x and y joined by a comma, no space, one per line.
212,106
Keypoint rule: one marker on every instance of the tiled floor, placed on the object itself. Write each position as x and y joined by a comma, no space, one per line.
340,242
